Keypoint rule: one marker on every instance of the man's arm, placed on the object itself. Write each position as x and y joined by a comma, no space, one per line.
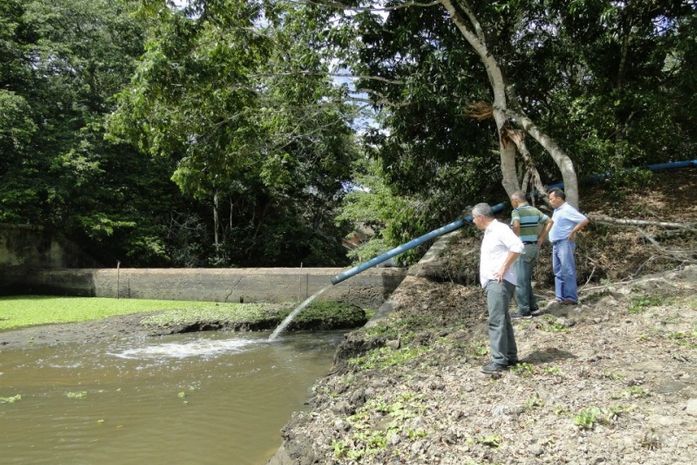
577,228
515,225
510,259
545,231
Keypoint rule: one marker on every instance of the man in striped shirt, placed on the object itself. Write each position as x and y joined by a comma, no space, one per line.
532,226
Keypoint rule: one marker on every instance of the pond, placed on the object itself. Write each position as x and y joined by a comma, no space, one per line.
198,398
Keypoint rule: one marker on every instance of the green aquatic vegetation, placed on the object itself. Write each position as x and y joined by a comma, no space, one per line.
21,311
480,349
76,394
378,420
613,375
554,371
10,399
227,313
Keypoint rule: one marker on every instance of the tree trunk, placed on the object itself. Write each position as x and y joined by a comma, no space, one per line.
501,112
560,157
477,42
216,220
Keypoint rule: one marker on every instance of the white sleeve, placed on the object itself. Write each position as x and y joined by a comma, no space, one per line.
511,241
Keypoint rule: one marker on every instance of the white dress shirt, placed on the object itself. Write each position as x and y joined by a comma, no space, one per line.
498,240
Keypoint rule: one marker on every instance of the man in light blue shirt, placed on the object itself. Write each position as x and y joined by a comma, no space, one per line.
566,222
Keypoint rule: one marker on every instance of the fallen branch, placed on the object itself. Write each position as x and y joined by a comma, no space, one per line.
678,255
632,222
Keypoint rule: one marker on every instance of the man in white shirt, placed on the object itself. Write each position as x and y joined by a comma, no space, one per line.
500,249
567,221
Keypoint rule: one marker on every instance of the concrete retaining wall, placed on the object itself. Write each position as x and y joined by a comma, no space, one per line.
24,247
368,289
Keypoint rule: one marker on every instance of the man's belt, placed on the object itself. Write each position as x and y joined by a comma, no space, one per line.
529,242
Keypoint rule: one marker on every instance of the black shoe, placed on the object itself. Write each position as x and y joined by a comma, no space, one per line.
513,363
521,316
492,368
536,312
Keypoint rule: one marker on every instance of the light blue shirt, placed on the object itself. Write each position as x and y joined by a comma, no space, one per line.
565,220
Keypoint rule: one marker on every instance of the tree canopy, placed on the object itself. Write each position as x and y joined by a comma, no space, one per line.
218,133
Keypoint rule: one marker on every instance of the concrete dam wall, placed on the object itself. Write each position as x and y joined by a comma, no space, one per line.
369,289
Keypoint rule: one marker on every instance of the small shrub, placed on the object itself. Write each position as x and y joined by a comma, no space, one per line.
534,402
523,369
587,418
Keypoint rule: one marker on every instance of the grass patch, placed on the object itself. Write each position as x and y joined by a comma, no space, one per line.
523,369
684,339
551,324
385,357
641,303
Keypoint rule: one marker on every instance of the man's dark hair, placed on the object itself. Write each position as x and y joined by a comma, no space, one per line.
558,193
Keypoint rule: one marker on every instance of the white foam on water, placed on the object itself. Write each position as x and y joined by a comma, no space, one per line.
205,348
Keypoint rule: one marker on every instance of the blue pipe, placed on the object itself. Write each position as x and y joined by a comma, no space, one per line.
409,245
672,165
468,219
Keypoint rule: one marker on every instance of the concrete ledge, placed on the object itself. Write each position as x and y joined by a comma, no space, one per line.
370,288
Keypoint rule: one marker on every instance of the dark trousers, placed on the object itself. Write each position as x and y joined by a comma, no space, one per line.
501,339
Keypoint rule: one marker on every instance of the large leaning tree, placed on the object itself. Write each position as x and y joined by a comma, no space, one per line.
507,109
587,80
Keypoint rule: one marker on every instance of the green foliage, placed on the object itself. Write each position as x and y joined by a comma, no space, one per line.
255,128
523,369
378,420
372,205
641,303
385,357
587,418
684,338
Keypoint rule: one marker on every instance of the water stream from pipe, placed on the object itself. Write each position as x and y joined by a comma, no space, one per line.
284,324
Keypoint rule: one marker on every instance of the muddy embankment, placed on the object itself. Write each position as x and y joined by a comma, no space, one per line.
610,381
328,315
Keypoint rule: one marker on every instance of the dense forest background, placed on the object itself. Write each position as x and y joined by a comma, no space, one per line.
237,133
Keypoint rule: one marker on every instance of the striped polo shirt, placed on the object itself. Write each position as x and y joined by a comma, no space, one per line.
530,219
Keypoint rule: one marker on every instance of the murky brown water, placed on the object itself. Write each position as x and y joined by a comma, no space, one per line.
191,399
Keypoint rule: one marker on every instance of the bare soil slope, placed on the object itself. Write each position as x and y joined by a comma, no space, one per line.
611,381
